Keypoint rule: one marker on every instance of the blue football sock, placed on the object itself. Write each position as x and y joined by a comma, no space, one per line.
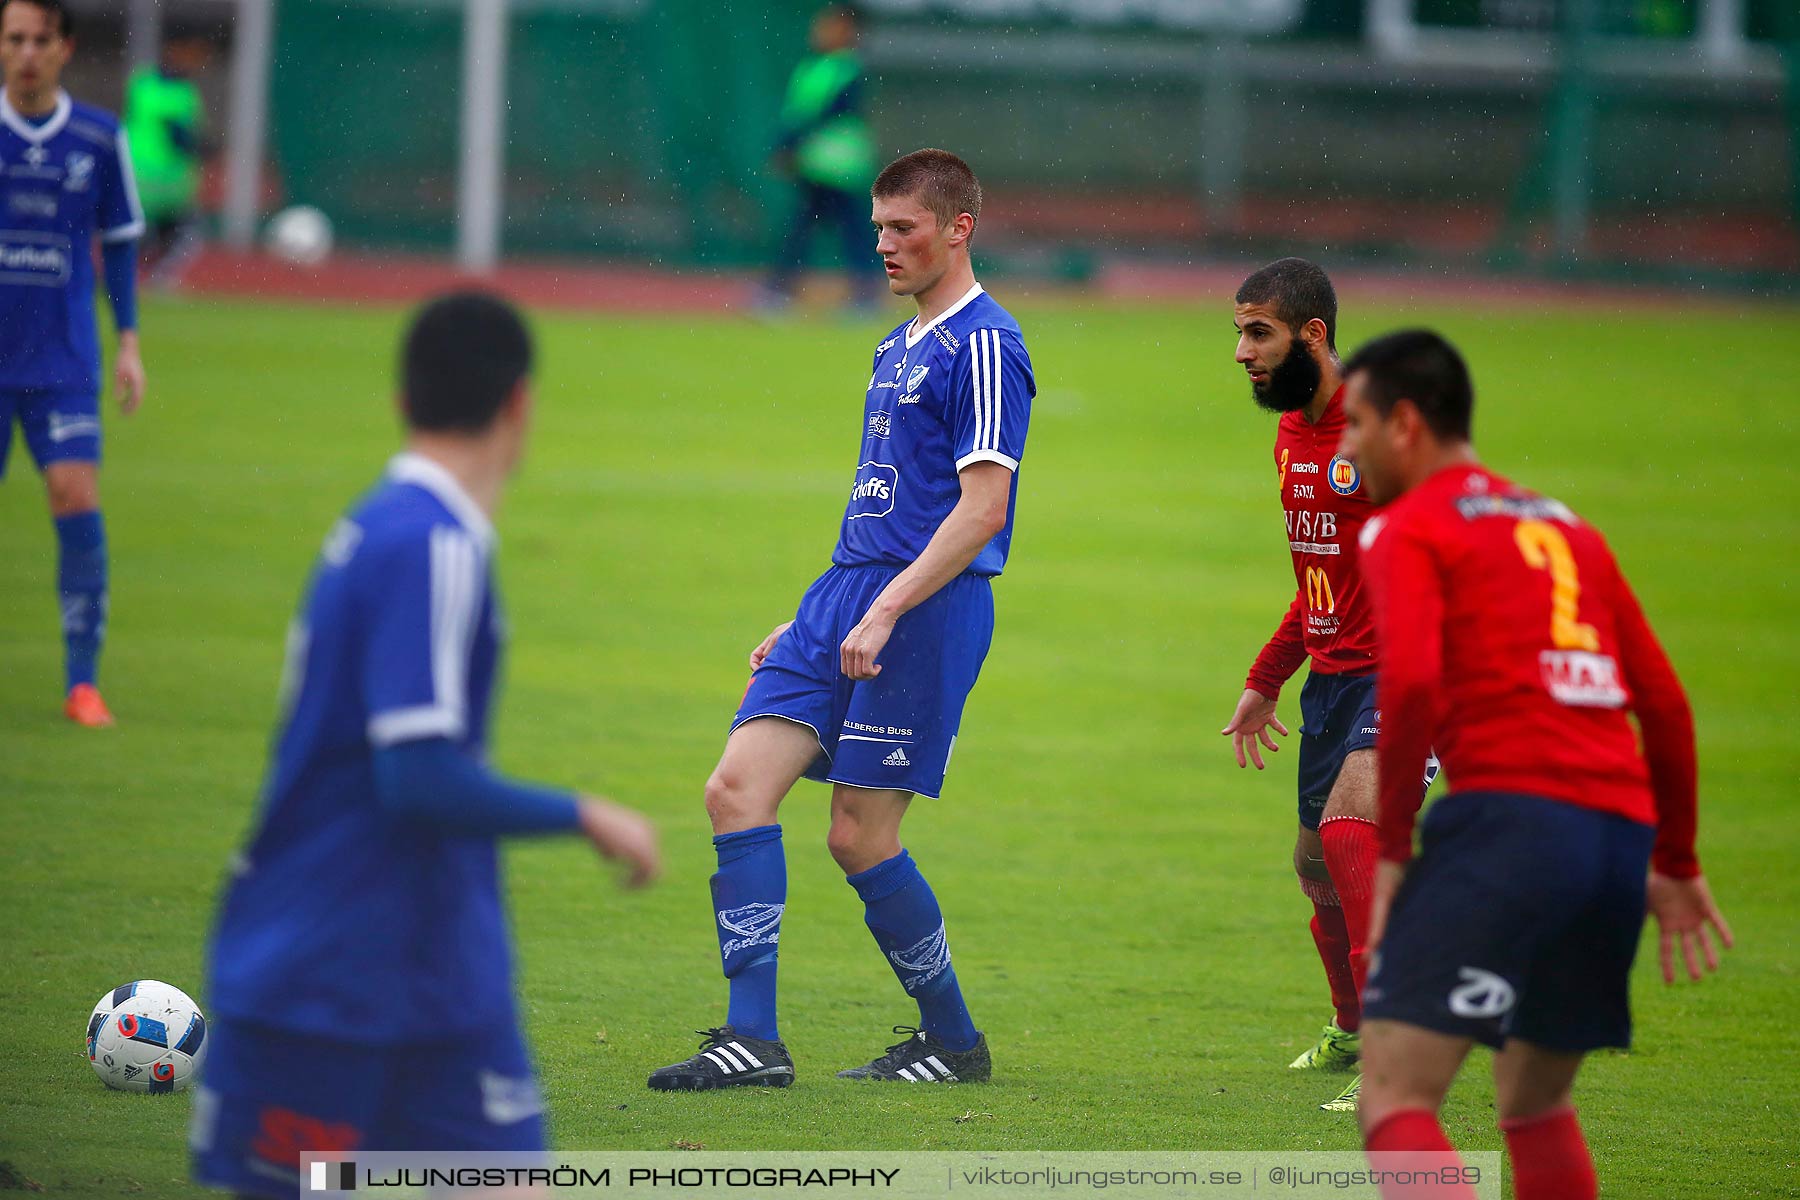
81,580
904,917
749,893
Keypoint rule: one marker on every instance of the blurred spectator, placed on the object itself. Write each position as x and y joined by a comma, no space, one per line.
826,147
164,121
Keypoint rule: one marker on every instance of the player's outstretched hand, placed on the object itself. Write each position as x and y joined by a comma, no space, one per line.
1250,723
865,644
767,644
622,835
1683,909
129,373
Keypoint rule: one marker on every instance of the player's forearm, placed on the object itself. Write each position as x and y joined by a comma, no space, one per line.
1409,623
971,525
1667,723
1408,715
120,262
1281,656
433,783
1668,730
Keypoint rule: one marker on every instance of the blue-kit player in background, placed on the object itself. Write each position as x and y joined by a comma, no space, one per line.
360,973
65,179
864,688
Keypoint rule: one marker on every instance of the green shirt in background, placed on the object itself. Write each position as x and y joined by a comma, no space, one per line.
162,126
823,125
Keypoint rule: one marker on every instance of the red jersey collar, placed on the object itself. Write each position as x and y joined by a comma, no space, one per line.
1334,412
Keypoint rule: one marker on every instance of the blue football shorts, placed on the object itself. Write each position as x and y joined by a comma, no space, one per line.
60,425
266,1095
1337,716
893,731
1520,918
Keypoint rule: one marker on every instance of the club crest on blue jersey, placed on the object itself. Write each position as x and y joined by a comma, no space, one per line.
1343,476
78,171
917,377
873,495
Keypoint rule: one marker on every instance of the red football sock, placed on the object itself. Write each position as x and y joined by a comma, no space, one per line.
1416,1129
1333,941
1550,1158
1351,849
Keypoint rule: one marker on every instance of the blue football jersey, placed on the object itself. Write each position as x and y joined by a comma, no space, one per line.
341,920
62,182
955,392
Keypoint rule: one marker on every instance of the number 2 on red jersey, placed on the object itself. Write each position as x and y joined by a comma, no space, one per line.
1546,549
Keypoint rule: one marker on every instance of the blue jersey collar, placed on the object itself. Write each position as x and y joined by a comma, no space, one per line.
915,331
408,467
37,134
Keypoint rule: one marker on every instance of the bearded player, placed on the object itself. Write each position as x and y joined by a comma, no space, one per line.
1287,342
1511,641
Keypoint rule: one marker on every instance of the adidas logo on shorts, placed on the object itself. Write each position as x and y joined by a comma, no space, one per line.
897,758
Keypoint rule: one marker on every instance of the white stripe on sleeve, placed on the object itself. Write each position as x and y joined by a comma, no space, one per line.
999,391
134,228
454,607
978,387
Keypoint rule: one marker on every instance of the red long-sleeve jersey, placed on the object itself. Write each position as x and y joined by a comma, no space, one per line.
1512,645
1323,500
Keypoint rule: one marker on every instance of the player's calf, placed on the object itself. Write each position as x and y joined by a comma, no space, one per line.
903,915
1337,1046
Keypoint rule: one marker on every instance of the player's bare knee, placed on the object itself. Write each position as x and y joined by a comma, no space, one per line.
1309,858
856,845
1529,1106
72,490
845,841
730,805
1386,1092
1532,1081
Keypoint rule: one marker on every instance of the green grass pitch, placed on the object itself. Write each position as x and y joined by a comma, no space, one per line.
1122,909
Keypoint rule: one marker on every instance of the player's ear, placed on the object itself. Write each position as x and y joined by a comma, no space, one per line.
514,402
1407,420
962,229
1314,334
517,406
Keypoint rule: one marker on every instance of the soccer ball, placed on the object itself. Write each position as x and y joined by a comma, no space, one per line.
146,1037
301,234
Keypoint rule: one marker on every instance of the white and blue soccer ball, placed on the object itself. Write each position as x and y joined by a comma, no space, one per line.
146,1036
301,234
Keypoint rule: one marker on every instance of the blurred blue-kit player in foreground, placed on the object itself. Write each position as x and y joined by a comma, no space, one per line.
361,971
